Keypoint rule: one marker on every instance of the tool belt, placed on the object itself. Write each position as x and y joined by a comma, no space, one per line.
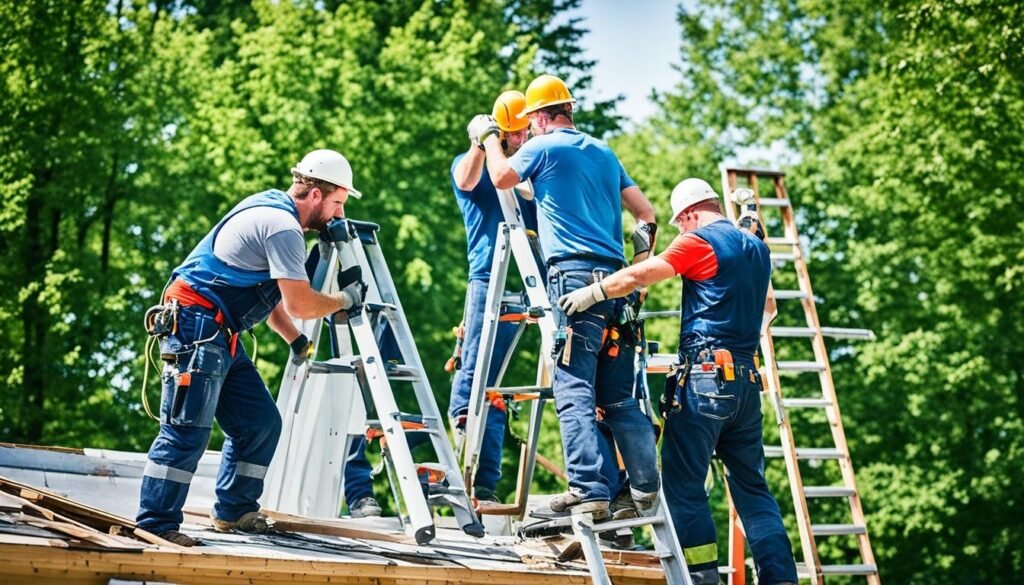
706,359
162,320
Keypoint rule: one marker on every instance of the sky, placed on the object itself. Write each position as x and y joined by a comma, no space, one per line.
635,44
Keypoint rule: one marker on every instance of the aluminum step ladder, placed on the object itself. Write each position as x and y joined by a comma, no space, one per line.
513,243
786,250
348,243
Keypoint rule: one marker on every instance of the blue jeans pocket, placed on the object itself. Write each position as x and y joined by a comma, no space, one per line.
190,396
711,401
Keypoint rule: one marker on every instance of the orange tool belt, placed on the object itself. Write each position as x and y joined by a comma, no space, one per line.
186,296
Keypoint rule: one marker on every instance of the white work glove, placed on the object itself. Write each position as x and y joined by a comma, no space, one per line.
480,127
582,299
352,295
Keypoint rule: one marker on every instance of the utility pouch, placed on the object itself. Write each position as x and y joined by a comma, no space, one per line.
190,394
712,401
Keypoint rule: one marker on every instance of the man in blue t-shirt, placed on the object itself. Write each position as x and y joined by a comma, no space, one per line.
481,213
581,188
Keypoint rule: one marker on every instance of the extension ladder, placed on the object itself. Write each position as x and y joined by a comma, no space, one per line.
786,249
354,243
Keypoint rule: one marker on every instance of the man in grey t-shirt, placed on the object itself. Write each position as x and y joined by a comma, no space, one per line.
248,269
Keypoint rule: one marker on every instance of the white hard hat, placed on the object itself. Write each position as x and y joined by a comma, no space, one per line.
688,192
328,165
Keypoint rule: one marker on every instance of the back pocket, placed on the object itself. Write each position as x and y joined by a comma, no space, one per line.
711,401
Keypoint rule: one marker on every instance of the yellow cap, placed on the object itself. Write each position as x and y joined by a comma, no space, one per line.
506,111
546,90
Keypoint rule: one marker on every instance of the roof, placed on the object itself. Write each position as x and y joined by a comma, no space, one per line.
65,515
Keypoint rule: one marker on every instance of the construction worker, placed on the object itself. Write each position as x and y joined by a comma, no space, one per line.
725,271
481,213
248,269
581,188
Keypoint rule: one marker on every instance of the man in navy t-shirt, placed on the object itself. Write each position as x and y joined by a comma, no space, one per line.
481,212
581,188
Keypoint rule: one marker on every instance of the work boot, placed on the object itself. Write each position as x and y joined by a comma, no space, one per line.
646,502
572,501
623,506
251,522
486,495
178,538
365,508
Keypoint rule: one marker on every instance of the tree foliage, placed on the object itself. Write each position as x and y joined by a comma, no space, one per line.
905,119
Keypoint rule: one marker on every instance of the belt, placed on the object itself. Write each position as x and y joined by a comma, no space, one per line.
186,296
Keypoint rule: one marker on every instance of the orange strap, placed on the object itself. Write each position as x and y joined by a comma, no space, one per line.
187,297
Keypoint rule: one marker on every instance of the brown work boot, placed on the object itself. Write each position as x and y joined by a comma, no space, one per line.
646,502
178,538
251,522
572,501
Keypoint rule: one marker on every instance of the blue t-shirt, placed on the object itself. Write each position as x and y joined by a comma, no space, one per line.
481,212
577,183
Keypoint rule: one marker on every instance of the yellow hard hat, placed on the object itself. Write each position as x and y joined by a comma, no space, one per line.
546,90
506,111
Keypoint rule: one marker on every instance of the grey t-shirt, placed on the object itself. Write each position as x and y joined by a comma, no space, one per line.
264,238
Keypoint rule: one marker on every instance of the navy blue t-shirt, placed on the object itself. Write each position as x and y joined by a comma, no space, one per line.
481,212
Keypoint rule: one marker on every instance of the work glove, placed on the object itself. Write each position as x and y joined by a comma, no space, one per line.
353,289
302,349
643,237
480,127
752,223
582,299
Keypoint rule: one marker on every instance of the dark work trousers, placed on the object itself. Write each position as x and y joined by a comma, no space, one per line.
586,378
724,417
223,386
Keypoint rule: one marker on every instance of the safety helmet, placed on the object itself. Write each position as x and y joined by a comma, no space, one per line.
688,192
506,111
330,166
546,90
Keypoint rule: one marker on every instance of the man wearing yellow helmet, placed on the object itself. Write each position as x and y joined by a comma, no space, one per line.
481,213
581,188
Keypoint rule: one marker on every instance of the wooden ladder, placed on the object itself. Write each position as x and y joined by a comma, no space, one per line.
786,251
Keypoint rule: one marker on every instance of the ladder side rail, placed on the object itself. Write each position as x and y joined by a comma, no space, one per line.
476,418
420,516
458,496
828,388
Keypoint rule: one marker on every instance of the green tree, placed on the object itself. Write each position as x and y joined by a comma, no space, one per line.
906,119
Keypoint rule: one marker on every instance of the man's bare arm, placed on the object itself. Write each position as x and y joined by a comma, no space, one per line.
302,302
282,324
635,202
502,174
469,170
641,274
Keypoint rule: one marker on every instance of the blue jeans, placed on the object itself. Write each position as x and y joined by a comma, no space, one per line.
358,483
725,418
222,386
587,377
489,467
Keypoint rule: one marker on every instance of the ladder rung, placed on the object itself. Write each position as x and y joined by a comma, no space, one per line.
845,333
837,529
785,295
781,242
806,402
783,256
793,331
773,202
628,523
331,368
849,569
828,491
401,372
806,452
379,307
800,367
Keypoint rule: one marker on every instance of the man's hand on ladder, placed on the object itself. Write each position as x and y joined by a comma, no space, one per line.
353,289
